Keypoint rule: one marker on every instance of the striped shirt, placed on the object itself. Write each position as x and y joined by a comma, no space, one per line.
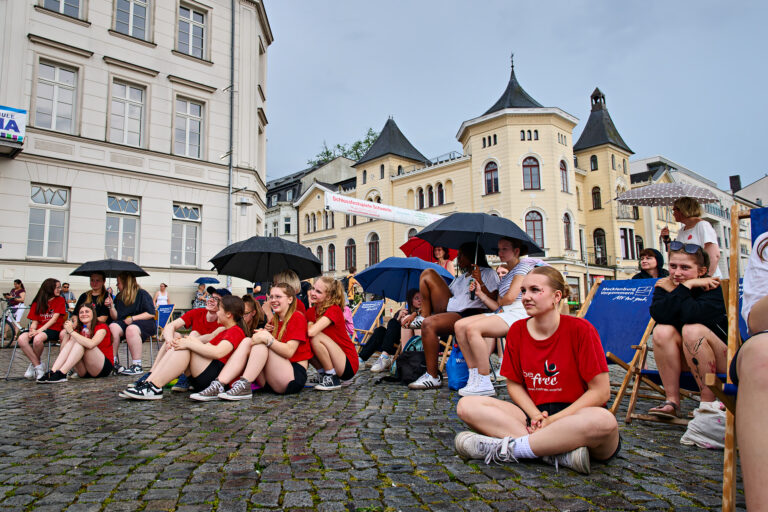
522,268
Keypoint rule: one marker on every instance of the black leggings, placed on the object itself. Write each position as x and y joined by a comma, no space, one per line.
383,339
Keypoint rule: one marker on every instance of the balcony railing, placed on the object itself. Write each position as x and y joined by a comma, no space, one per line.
602,259
627,213
717,211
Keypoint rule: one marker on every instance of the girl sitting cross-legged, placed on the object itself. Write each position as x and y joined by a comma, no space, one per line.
276,358
201,361
87,349
557,377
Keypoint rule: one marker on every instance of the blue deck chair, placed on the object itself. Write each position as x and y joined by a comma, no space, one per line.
366,317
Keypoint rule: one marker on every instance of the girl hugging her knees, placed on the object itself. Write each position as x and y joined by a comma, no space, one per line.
331,344
557,377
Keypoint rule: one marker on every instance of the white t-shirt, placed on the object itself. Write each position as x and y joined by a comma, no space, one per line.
701,233
460,289
755,278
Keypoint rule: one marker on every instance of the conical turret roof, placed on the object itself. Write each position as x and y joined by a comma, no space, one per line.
391,141
600,128
514,96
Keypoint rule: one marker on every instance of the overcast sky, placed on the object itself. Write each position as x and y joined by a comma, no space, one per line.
682,79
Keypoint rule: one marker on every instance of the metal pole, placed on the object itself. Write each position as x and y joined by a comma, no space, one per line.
231,126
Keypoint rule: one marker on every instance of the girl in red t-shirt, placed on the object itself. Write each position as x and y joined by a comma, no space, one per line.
327,332
46,314
557,377
201,361
88,348
276,356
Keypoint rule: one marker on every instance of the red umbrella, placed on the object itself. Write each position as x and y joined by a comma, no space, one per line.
422,249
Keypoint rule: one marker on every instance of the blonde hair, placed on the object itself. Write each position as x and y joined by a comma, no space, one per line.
688,207
335,295
291,292
288,277
130,288
555,279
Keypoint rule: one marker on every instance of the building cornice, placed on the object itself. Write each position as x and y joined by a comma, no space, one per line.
59,46
130,66
190,83
421,170
544,111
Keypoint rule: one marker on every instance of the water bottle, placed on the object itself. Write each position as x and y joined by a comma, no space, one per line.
85,331
472,292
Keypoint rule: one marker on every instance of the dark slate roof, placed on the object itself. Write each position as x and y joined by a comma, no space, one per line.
600,128
391,141
641,177
514,96
329,186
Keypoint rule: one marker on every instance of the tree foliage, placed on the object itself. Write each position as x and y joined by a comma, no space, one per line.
355,150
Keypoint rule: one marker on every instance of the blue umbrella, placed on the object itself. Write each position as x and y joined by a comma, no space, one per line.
393,277
207,280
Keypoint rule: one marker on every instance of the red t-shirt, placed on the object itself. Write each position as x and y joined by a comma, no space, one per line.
295,330
556,369
195,320
234,335
106,344
337,331
55,305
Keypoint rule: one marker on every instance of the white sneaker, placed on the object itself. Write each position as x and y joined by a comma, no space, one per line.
479,386
30,373
577,460
382,364
39,371
426,381
416,323
470,445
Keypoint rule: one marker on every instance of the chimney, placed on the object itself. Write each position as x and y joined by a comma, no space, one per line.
735,183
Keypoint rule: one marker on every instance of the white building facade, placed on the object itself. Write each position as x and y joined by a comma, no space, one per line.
133,148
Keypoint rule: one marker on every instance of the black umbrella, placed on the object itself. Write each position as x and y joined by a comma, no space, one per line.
481,228
110,268
261,257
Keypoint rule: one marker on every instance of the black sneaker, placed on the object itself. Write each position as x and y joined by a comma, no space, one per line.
56,377
117,369
144,391
44,379
134,369
329,382
139,381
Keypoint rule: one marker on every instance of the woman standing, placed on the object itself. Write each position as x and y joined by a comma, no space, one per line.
695,231
200,297
47,314
557,377
133,316
161,296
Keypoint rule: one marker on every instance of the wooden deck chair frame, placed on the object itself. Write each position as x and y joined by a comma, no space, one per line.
712,381
366,333
447,347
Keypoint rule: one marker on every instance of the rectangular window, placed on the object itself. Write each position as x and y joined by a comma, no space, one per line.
189,128
55,101
122,232
131,18
48,216
185,231
287,225
126,120
289,195
191,32
68,7
627,237
275,232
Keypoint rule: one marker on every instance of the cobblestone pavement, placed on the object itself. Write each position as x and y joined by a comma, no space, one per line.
371,446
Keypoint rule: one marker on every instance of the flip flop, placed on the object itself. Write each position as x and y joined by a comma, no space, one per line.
656,411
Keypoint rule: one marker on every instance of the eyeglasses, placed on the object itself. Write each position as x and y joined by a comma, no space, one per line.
689,248
217,299
249,312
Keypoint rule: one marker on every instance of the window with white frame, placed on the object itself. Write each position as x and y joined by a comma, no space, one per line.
122,232
68,7
191,32
189,128
627,237
48,215
287,225
55,101
185,234
131,18
126,119
289,195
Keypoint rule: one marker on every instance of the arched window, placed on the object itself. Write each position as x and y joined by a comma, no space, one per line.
531,179
430,196
399,170
306,223
494,139
639,245
331,257
378,199
567,232
412,233
601,254
535,134
350,256
373,249
314,223
522,134
624,165
440,194
420,194
483,141
597,202
319,254
593,162
613,162
381,171
563,176
365,176
529,134
491,178
534,226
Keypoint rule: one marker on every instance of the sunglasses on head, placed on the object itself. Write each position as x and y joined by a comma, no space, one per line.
689,248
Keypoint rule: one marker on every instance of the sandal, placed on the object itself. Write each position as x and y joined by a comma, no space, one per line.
661,413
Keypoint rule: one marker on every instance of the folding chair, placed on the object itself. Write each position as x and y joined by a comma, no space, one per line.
447,346
366,317
162,316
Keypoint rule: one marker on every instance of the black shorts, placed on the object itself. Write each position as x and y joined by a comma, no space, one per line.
207,376
472,312
299,379
733,369
148,328
348,371
53,336
106,370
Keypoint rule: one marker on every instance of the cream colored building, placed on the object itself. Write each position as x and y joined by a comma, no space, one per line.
517,161
128,151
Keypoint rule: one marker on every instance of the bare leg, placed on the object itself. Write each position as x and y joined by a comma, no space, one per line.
329,354
256,362
236,363
93,361
133,339
434,293
438,324
66,347
117,333
667,351
278,373
163,349
475,347
758,316
174,364
751,418
705,353
74,355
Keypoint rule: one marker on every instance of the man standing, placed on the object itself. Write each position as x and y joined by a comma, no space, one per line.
68,296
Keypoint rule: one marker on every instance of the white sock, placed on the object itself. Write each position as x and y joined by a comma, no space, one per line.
522,450
136,362
332,371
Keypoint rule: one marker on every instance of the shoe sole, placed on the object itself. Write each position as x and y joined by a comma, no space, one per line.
420,386
457,444
130,396
51,381
491,392
327,388
203,398
234,398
